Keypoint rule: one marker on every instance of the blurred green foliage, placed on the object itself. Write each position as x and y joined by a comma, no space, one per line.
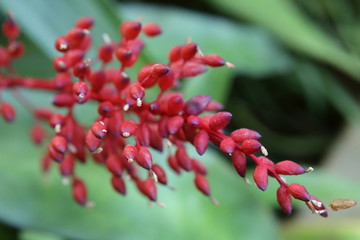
296,81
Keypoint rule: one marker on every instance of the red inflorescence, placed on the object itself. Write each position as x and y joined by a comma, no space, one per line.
129,124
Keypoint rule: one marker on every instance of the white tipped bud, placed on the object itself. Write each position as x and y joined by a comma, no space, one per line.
99,150
229,65
106,38
57,128
153,176
63,46
316,203
161,204
89,204
214,201
138,102
126,107
126,134
72,148
65,180
264,151
310,169
247,181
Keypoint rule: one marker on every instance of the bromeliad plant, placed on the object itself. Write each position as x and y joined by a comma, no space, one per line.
127,125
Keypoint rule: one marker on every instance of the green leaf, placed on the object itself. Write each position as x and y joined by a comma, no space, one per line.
289,25
43,21
251,49
37,235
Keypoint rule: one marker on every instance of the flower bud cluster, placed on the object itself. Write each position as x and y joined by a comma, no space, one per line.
128,124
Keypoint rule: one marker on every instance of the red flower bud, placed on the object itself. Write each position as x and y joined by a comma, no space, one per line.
9,28
81,70
197,104
15,49
43,113
261,177
84,23
59,144
75,57
250,146
7,111
163,126
189,50
130,29
201,141
106,109
289,168
239,162
97,80
79,191
202,184
144,158
175,53
37,133
299,192
214,106
149,189
160,173
145,78
55,155
62,44
213,60
242,134
198,167
143,135
219,120
81,92
60,64
152,29
266,162
174,165
4,57
118,184
284,199
76,36
183,159
99,129
192,69
105,52
45,163
193,121
113,165
120,79
128,128
123,55
175,104
130,152
137,92
156,141
56,121
63,99
67,166
62,80
227,145
174,124
93,143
